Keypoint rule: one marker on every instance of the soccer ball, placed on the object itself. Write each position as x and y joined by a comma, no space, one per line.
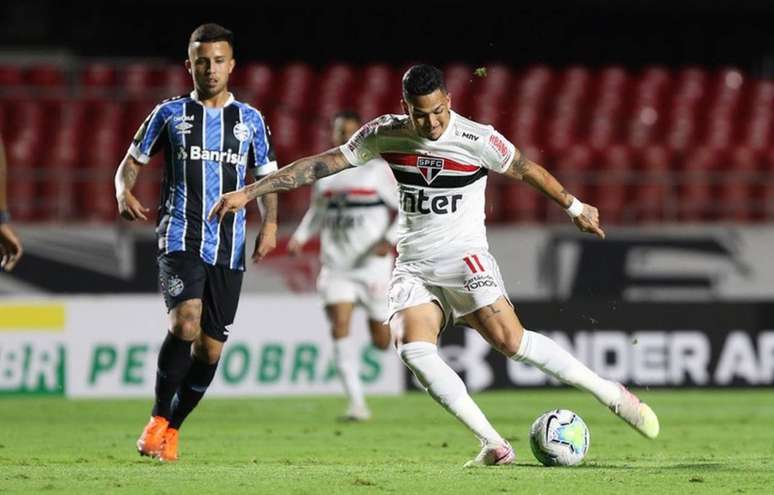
559,438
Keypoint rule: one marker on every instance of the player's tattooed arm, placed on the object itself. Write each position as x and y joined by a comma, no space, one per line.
522,168
519,165
299,173
542,180
126,177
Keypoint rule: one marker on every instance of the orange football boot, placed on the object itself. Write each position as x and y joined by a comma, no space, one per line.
169,448
152,438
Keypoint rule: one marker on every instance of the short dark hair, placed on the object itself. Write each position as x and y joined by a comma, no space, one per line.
210,33
422,80
347,115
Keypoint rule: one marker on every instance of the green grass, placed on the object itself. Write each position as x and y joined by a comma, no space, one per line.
711,442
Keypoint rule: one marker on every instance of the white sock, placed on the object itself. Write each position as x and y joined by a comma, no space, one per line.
447,388
548,356
345,355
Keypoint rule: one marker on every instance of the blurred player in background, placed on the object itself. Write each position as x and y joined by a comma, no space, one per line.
10,245
444,272
350,211
209,141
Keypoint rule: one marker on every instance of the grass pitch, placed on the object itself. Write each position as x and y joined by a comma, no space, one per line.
711,442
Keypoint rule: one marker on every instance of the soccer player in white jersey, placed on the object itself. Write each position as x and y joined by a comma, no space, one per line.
351,213
444,270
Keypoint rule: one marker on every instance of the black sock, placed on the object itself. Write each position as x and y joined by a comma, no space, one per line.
173,365
191,391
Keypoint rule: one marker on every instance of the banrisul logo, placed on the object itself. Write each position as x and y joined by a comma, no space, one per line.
429,167
31,367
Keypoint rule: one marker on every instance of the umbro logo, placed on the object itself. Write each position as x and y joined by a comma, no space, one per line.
184,127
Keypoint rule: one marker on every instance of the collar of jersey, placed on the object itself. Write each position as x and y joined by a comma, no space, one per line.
195,98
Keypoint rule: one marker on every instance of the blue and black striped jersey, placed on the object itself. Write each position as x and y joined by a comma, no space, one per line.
207,153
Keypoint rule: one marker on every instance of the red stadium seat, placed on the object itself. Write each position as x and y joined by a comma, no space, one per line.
22,178
11,75
47,76
653,197
696,185
254,83
175,81
138,79
611,194
98,76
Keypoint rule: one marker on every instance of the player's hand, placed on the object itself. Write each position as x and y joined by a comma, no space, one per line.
10,248
265,242
295,248
588,221
382,248
228,203
130,208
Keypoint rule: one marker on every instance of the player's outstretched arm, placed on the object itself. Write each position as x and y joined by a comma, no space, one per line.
129,207
299,173
584,216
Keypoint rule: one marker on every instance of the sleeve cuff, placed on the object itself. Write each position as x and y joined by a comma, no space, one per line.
138,155
351,156
266,169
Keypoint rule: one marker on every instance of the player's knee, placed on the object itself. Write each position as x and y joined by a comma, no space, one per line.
186,329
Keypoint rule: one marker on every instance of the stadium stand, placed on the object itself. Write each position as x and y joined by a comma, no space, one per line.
652,145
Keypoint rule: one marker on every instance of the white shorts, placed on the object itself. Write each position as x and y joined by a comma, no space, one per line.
460,285
364,287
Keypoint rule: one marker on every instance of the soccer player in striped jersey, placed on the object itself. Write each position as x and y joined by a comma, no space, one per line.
210,140
351,213
444,271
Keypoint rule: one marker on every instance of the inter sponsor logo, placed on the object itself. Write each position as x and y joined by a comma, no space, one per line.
416,201
228,156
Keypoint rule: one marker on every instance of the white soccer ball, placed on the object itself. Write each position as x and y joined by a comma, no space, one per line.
559,438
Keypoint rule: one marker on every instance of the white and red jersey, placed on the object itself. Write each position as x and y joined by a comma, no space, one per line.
351,212
441,183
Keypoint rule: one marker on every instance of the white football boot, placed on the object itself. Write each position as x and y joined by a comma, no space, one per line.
493,455
639,415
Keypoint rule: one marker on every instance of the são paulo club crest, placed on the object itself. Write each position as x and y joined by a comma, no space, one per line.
430,168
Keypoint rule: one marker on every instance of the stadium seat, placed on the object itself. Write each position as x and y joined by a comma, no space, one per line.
612,178
653,197
45,76
98,76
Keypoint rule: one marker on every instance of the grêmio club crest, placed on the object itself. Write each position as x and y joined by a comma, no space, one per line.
430,168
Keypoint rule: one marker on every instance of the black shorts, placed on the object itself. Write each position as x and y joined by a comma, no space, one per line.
184,276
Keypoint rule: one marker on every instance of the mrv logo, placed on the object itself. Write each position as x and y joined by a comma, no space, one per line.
416,201
197,153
